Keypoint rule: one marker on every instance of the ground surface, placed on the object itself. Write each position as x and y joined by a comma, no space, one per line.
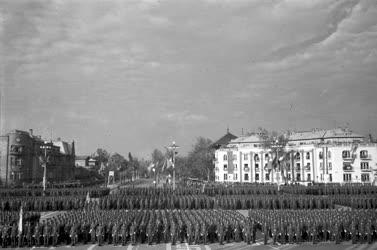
232,246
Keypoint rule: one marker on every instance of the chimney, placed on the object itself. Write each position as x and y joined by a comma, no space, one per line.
31,132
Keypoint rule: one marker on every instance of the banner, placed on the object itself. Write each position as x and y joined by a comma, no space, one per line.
230,162
20,221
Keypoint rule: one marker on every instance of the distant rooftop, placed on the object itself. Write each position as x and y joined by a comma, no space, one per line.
324,134
224,140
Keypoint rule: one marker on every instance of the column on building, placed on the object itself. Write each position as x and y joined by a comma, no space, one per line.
240,164
261,175
251,177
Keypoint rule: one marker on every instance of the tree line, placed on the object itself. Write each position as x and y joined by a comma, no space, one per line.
197,163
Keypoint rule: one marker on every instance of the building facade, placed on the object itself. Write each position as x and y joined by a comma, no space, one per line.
317,156
22,155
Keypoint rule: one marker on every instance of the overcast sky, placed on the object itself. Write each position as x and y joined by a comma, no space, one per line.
135,75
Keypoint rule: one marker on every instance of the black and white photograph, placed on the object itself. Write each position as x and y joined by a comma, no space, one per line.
188,124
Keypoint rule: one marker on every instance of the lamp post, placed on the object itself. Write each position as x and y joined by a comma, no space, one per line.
154,172
173,147
44,163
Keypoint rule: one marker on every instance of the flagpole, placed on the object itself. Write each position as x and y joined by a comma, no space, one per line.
173,147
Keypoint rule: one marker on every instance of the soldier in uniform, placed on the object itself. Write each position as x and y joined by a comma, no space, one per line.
100,234
28,234
5,236
55,234
124,233
265,233
247,232
133,233
220,233
73,234
204,233
115,234
13,235
173,233
37,235
46,234
92,233
149,234
197,234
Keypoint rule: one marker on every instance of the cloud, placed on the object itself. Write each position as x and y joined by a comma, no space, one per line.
205,60
185,117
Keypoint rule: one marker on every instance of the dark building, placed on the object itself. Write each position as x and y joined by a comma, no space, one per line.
223,140
22,155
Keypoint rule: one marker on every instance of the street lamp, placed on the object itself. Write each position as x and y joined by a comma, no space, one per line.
154,172
44,161
173,147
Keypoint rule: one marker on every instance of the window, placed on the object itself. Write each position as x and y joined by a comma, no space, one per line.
297,156
256,157
217,169
347,166
235,166
266,157
320,155
217,177
245,157
246,167
347,177
246,177
257,166
330,166
321,177
225,177
16,149
346,154
234,157
235,177
308,155
289,176
225,157
364,154
267,177
365,177
308,166
330,177
12,161
308,177
321,165
257,177
225,167
288,166
364,165
19,162
329,154
298,166
298,177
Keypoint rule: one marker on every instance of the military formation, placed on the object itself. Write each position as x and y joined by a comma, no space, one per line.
194,215
296,226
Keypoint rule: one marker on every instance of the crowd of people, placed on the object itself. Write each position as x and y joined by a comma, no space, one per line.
196,215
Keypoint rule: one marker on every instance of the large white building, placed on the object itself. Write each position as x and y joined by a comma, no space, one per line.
317,156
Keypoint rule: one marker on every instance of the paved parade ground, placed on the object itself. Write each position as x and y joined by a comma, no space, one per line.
231,246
